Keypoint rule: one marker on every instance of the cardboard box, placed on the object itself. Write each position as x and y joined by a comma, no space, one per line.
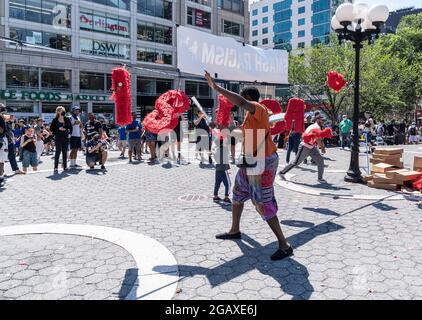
382,178
408,176
385,186
392,174
367,178
396,157
388,151
398,164
417,163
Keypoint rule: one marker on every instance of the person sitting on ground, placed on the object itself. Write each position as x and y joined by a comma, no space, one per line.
96,152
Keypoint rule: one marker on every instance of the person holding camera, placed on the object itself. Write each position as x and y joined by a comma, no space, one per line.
96,151
29,149
61,127
255,178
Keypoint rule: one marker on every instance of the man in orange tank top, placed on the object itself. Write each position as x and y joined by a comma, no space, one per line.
255,182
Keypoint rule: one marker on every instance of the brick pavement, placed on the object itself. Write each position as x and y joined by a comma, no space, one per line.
344,249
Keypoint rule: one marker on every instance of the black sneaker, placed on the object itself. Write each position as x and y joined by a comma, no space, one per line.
228,236
103,167
227,201
281,254
216,199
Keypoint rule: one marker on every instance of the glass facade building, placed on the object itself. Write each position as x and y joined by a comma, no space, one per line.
71,47
289,19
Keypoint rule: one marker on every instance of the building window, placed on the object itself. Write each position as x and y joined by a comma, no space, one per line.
321,30
155,56
162,86
265,20
92,81
254,33
103,48
21,77
203,2
199,18
301,0
103,22
301,33
254,23
41,11
21,106
145,87
255,12
55,79
321,17
46,39
155,33
265,9
236,6
198,89
265,41
301,45
282,5
321,5
265,31
121,4
282,15
232,28
156,8
255,43
301,10
301,22
282,26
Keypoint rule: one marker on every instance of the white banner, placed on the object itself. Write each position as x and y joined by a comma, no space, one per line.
198,51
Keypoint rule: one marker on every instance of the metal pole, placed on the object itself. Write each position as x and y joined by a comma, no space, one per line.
354,174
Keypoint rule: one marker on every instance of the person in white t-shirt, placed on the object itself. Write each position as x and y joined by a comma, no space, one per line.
76,137
306,150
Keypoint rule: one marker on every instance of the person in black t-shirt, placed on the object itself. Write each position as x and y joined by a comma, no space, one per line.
28,146
91,127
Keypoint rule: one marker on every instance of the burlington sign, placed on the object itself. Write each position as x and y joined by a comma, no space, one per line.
229,59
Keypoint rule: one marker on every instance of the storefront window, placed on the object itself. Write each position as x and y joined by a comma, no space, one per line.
50,107
21,106
21,77
155,33
91,81
104,110
55,79
199,18
155,56
156,8
203,2
145,87
103,22
105,49
191,88
46,39
164,86
204,90
41,11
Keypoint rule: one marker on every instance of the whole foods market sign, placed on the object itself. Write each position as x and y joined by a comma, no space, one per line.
48,96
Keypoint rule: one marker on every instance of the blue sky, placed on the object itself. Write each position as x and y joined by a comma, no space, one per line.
392,4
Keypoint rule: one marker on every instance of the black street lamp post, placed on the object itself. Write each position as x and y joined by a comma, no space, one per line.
357,23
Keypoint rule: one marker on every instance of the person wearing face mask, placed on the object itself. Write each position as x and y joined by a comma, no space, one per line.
96,152
61,127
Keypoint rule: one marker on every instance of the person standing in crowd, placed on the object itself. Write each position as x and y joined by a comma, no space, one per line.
96,151
122,143
179,138
106,128
306,150
222,167
413,134
41,134
345,128
9,134
4,150
61,128
91,127
48,141
294,141
134,131
203,140
255,183
28,144
19,132
76,137
151,141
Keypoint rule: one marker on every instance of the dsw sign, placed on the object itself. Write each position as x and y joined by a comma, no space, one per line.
100,48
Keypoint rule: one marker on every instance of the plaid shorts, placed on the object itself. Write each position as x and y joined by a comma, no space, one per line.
260,191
